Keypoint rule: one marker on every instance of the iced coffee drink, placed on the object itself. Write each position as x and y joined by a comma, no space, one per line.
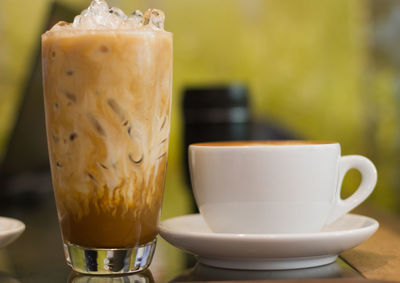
107,81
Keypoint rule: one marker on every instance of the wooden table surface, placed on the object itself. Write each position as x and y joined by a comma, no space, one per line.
379,257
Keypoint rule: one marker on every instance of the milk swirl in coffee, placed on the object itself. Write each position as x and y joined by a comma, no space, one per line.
107,89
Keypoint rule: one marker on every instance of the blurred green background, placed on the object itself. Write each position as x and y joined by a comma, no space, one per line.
327,70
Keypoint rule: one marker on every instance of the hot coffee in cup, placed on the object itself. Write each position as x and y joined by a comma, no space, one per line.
274,186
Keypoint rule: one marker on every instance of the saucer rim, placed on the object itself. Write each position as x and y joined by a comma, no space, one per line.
268,251
373,225
18,228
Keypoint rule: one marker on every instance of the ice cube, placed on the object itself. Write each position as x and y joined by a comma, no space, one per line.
98,8
114,18
118,13
84,21
100,16
154,18
134,21
137,17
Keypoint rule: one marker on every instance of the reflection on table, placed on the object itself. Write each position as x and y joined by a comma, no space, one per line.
202,272
142,277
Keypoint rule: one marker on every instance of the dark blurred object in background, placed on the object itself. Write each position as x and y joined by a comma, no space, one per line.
214,113
24,171
222,113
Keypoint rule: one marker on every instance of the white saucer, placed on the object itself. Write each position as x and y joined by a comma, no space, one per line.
266,251
10,230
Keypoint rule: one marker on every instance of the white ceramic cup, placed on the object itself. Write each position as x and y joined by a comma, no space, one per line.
274,187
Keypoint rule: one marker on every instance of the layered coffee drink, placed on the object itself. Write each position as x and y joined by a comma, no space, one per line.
107,81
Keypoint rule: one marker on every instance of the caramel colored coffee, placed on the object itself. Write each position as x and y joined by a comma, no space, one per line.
107,98
262,143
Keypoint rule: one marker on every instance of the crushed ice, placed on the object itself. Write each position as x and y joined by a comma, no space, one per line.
100,16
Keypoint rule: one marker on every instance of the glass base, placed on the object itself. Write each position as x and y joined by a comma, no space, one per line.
109,261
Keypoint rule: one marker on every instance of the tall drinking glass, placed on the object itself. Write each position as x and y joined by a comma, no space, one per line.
107,94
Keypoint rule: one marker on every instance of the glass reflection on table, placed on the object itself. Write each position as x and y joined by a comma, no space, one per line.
142,277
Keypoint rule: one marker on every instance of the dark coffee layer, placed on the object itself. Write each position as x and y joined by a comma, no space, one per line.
101,229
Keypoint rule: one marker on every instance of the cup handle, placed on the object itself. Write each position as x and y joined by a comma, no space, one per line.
368,181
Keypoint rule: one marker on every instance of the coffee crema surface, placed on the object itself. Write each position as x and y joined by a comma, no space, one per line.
263,143
107,95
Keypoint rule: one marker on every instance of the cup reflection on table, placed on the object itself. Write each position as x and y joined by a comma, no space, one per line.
207,273
107,100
